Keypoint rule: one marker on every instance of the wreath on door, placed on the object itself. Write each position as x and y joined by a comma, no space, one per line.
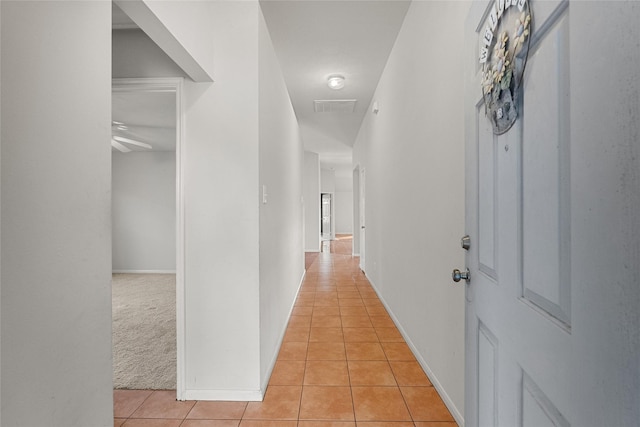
503,55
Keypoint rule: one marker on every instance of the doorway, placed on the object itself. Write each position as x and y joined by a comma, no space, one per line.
147,245
326,216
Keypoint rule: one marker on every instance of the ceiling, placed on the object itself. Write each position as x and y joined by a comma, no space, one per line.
120,20
314,39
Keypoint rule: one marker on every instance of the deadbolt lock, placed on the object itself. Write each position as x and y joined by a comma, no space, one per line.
465,242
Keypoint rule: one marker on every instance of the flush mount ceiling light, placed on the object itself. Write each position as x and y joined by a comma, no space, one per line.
336,82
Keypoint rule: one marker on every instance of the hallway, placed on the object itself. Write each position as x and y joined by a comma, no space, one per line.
343,363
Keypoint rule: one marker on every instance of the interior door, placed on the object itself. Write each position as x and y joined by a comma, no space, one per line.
362,221
549,302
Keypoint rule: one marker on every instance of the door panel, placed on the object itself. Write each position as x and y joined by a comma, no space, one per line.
487,180
537,409
545,178
487,377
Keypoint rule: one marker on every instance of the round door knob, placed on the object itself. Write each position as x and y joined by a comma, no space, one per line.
458,275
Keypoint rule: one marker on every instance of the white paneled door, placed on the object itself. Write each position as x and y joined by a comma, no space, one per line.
552,205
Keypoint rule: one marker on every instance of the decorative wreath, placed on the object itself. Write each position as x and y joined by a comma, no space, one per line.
503,58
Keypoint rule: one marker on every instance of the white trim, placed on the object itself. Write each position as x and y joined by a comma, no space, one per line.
274,359
224,395
313,250
425,366
355,220
362,221
176,85
181,344
124,27
246,395
143,272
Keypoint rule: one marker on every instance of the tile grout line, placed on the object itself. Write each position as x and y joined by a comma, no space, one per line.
306,356
353,403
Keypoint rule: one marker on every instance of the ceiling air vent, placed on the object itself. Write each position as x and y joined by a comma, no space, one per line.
334,105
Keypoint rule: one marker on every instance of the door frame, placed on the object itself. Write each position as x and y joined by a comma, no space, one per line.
362,220
355,247
175,85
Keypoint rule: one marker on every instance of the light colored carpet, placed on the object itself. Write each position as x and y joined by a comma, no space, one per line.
144,331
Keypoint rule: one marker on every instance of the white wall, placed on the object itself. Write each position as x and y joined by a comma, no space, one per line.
343,212
344,203
281,223
55,229
344,182
189,24
221,181
229,292
0,221
327,181
181,31
135,55
411,152
227,284
144,211
311,182
341,189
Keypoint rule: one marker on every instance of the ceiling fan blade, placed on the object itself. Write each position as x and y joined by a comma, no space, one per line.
121,148
132,142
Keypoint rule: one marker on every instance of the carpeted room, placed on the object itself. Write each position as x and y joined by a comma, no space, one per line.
144,240
144,331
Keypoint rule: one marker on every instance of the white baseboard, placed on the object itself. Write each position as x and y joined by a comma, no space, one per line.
274,358
245,395
228,395
143,271
312,250
425,366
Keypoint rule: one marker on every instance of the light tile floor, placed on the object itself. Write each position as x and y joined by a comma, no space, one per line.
343,363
